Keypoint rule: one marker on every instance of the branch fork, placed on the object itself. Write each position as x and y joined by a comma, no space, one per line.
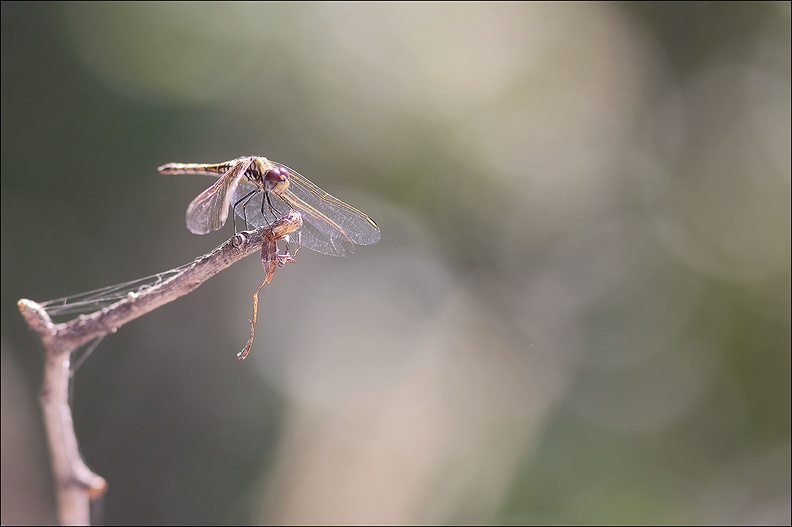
76,484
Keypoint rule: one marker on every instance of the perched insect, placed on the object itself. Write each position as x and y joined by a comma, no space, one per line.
262,191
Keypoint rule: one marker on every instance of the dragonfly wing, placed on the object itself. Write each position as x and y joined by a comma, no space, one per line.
209,210
318,241
326,216
325,241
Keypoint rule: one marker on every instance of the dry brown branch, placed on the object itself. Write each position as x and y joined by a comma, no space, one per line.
76,485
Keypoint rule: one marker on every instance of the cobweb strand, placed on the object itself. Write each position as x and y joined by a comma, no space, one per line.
90,301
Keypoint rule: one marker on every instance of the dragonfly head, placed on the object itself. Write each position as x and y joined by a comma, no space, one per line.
276,179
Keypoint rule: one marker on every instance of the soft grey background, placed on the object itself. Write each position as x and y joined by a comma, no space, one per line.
579,311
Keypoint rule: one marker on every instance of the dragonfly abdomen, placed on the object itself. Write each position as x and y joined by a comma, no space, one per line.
194,168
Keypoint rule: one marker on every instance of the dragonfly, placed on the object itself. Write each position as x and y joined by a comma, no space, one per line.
262,191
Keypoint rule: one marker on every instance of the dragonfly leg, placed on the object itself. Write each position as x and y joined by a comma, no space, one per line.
246,198
287,202
276,214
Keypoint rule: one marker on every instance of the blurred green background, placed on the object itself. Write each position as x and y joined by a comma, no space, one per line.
579,311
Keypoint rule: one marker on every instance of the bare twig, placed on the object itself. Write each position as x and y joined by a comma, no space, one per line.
76,484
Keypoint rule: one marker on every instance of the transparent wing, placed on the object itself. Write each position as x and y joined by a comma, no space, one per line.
329,214
250,209
330,226
209,210
317,240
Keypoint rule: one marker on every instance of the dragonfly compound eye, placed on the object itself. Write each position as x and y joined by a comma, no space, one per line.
275,175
